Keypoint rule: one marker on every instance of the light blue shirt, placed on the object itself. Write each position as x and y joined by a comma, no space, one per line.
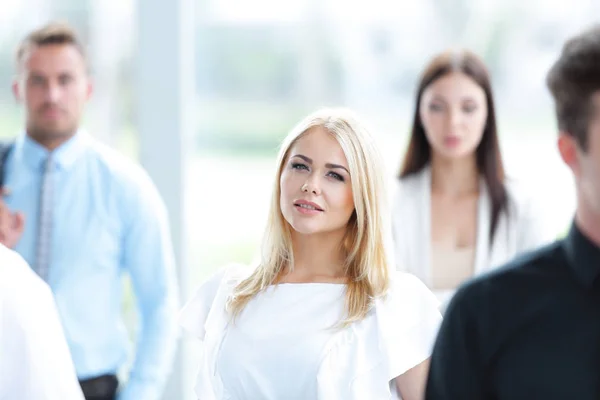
108,219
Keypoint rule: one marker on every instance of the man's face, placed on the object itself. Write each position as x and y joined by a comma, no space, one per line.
585,164
589,161
54,86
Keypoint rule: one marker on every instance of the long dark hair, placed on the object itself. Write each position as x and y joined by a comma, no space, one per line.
489,159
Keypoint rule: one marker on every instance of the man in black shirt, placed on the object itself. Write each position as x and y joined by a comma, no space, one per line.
531,329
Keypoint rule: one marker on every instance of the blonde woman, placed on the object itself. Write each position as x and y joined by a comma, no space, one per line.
322,315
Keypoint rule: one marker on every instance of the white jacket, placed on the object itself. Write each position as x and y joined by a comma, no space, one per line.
523,229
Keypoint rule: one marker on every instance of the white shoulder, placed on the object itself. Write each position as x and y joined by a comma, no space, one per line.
194,313
520,197
17,275
530,216
408,196
409,318
406,187
525,202
396,336
408,297
28,308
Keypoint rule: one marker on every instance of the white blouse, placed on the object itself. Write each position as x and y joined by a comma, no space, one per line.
524,228
305,314
285,343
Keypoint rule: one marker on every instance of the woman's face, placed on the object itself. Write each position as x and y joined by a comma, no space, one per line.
453,111
316,191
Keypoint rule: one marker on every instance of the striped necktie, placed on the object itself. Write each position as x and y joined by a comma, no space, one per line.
45,220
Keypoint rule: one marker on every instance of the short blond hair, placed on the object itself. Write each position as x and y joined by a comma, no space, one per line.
366,245
49,34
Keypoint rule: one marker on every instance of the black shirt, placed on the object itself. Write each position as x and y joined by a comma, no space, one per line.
528,330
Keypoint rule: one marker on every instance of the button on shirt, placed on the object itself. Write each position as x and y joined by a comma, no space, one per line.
107,219
35,363
530,330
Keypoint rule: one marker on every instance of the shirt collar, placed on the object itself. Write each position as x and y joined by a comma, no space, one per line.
583,256
64,156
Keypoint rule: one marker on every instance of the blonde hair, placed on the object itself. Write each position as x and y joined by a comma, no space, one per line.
367,261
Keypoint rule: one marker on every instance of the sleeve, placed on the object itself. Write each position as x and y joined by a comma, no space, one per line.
149,259
36,363
193,315
412,323
362,361
456,368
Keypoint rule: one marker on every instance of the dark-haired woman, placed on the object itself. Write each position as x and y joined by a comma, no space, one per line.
456,215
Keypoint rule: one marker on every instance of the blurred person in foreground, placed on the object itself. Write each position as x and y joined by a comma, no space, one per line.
531,329
323,315
83,216
35,363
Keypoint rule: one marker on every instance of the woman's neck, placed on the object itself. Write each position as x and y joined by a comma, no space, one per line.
454,177
317,258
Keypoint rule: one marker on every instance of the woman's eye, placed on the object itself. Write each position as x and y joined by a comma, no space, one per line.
299,166
337,176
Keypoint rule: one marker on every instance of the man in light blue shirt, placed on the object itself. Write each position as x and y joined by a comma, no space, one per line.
82,216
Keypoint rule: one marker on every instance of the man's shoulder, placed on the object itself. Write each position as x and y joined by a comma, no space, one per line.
111,158
493,308
119,168
516,282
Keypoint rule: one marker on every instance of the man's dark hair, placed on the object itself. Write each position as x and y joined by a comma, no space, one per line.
572,80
